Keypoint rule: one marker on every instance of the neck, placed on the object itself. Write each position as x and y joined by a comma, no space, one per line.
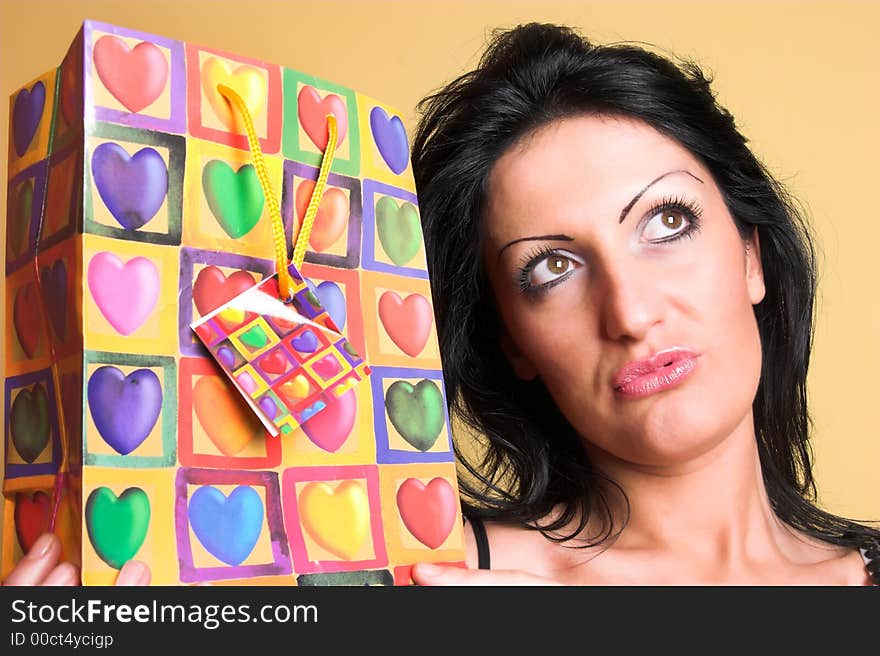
711,510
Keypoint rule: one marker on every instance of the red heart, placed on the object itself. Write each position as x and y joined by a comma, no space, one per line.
26,317
212,288
332,216
427,511
31,518
135,76
274,362
313,115
408,322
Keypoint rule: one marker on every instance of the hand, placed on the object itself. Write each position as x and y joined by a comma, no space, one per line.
433,574
40,566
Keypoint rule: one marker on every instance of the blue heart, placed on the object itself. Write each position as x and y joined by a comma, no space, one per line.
306,342
124,408
227,527
333,300
132,188
26,115
312,410
390,137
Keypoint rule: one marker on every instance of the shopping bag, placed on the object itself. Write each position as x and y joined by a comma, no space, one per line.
135,211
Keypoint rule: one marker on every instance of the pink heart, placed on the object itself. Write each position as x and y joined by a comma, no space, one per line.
327,367
428,511
125,293
407,322
135,76
313,116
331,427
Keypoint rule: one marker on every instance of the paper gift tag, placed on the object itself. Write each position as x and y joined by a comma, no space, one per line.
289,361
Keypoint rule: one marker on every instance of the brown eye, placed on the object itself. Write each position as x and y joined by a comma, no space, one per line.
552,267
666,225
558,265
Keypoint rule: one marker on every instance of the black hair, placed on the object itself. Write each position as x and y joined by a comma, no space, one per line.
532,460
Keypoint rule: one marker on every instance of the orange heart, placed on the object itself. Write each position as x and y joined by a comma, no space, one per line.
338,520
296,389
224,415
408,322
332,216
247,81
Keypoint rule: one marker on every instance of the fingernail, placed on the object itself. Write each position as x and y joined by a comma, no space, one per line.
41,546
133,572
429,569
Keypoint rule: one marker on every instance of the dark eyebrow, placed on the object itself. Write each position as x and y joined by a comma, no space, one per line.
629,206
537,238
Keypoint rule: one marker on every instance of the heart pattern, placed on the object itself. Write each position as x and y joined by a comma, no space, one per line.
124,408
416,412
390,137
331,219
125,293
54,285
29,422
132,187
313,110
330,296
31,517
428,511
247,81
399,229
235,197
20,210
227,420
117,527
135,76
408,322
228,527
330,428
338,520
27,110
26,318
212,288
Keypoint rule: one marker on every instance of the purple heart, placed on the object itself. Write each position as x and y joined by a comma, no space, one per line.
124,408
390,136
26,115
54,283
132,188
333,300
305,342
267,405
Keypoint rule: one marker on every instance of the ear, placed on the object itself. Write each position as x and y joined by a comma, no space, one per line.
522,366
754,269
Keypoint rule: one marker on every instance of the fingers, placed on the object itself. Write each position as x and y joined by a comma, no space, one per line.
63,574
37,563
134,572
433,574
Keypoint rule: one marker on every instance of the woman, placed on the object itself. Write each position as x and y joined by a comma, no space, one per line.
624,301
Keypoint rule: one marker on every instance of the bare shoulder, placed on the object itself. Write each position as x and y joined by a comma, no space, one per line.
512,547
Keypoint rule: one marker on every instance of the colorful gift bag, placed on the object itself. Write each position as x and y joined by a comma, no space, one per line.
135,212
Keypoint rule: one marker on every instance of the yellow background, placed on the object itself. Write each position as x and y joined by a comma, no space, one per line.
800,77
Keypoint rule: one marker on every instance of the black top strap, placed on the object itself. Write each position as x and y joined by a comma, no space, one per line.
482,541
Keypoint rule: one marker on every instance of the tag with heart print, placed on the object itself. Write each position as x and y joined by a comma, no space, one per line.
288,360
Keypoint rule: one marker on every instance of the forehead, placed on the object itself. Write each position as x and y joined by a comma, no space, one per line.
586,165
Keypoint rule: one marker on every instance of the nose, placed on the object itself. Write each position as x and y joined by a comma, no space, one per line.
631,301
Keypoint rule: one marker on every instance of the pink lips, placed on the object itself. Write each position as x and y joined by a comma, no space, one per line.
661,372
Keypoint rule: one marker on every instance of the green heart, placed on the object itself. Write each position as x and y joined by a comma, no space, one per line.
117,527
255,338
20,217
236,199
29,422
416,412
399,230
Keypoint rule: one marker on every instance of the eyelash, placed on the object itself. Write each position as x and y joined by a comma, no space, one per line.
690,209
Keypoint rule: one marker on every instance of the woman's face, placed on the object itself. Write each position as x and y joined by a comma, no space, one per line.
625,287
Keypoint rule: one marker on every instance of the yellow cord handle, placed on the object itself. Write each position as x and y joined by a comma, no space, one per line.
285,282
